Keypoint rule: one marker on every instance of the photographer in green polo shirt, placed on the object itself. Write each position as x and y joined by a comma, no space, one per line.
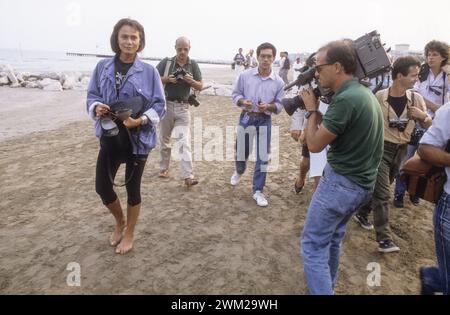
179,75
353,128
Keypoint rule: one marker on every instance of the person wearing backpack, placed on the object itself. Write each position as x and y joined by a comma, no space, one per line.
431,149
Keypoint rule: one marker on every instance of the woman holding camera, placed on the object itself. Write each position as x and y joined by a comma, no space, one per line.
121,78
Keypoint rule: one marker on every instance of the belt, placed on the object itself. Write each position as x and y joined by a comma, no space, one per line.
256,114
179,102
395,146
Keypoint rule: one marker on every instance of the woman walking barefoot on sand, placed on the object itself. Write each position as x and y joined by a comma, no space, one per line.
118,79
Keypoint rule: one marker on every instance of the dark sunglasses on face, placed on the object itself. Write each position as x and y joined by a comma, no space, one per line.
319,67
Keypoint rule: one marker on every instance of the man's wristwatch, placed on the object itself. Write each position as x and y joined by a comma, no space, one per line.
308,114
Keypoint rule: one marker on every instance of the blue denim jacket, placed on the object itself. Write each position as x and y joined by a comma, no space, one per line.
142,79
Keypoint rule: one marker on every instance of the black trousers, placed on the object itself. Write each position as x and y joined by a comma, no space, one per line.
108,163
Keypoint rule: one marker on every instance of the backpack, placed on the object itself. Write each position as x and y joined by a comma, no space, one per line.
423,179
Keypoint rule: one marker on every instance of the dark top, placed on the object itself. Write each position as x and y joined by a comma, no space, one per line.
181,90
398,104
121,70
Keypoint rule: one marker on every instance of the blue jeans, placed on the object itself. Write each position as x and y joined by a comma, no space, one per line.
249,128
438,277
400,186
335,201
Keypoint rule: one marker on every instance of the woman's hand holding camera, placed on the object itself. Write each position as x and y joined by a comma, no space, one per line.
131,123
101,109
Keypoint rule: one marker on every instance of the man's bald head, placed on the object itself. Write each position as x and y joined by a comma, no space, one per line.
182,41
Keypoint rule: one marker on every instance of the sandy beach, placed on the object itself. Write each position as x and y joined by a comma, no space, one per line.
211,239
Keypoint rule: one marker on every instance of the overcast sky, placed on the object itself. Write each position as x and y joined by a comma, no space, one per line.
218,28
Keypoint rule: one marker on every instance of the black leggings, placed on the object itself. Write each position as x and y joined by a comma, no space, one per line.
103,184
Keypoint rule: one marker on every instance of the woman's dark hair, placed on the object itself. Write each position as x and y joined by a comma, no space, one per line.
441,47
341,51
115,34
402,65
266,46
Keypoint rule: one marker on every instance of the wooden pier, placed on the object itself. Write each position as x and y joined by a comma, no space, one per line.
210,62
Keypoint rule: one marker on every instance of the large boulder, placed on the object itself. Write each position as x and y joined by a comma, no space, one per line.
69,82
10,74
32,85
85,80
223,90
4,80
50,85
50,75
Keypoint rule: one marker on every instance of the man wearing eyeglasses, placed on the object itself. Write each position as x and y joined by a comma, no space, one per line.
434,86
353,127
178,74
258,93
402,108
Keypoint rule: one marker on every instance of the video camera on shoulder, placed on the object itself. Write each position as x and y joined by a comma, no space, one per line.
372,61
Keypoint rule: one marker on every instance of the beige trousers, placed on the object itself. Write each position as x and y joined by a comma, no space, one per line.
176,121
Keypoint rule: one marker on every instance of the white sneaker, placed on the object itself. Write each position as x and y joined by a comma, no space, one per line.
235,179
260,199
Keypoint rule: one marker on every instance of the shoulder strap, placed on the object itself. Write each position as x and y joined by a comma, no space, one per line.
444,74
167,69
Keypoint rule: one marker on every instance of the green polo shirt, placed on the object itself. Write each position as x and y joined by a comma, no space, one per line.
181,90
354,115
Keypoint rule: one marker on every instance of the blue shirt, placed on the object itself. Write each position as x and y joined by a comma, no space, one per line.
141,80
251,86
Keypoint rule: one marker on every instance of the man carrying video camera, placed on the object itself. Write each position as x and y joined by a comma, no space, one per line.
353,127
401,109
179,74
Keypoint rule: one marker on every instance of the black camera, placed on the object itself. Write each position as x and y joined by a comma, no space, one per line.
192,100
179,74
400,123
372,61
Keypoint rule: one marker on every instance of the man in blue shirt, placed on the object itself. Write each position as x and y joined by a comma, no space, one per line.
258,92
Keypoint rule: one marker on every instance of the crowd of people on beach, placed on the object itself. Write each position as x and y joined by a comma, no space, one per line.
353,146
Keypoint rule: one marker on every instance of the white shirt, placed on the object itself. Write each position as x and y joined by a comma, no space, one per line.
298,120
439,134
437,84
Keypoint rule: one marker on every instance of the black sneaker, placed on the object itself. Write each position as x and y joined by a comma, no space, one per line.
363,221
398,202
387,246
414,200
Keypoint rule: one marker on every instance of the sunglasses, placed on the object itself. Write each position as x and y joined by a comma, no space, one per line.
319,67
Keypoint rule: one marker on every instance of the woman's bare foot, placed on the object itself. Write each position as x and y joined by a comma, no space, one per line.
126,244
117,235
